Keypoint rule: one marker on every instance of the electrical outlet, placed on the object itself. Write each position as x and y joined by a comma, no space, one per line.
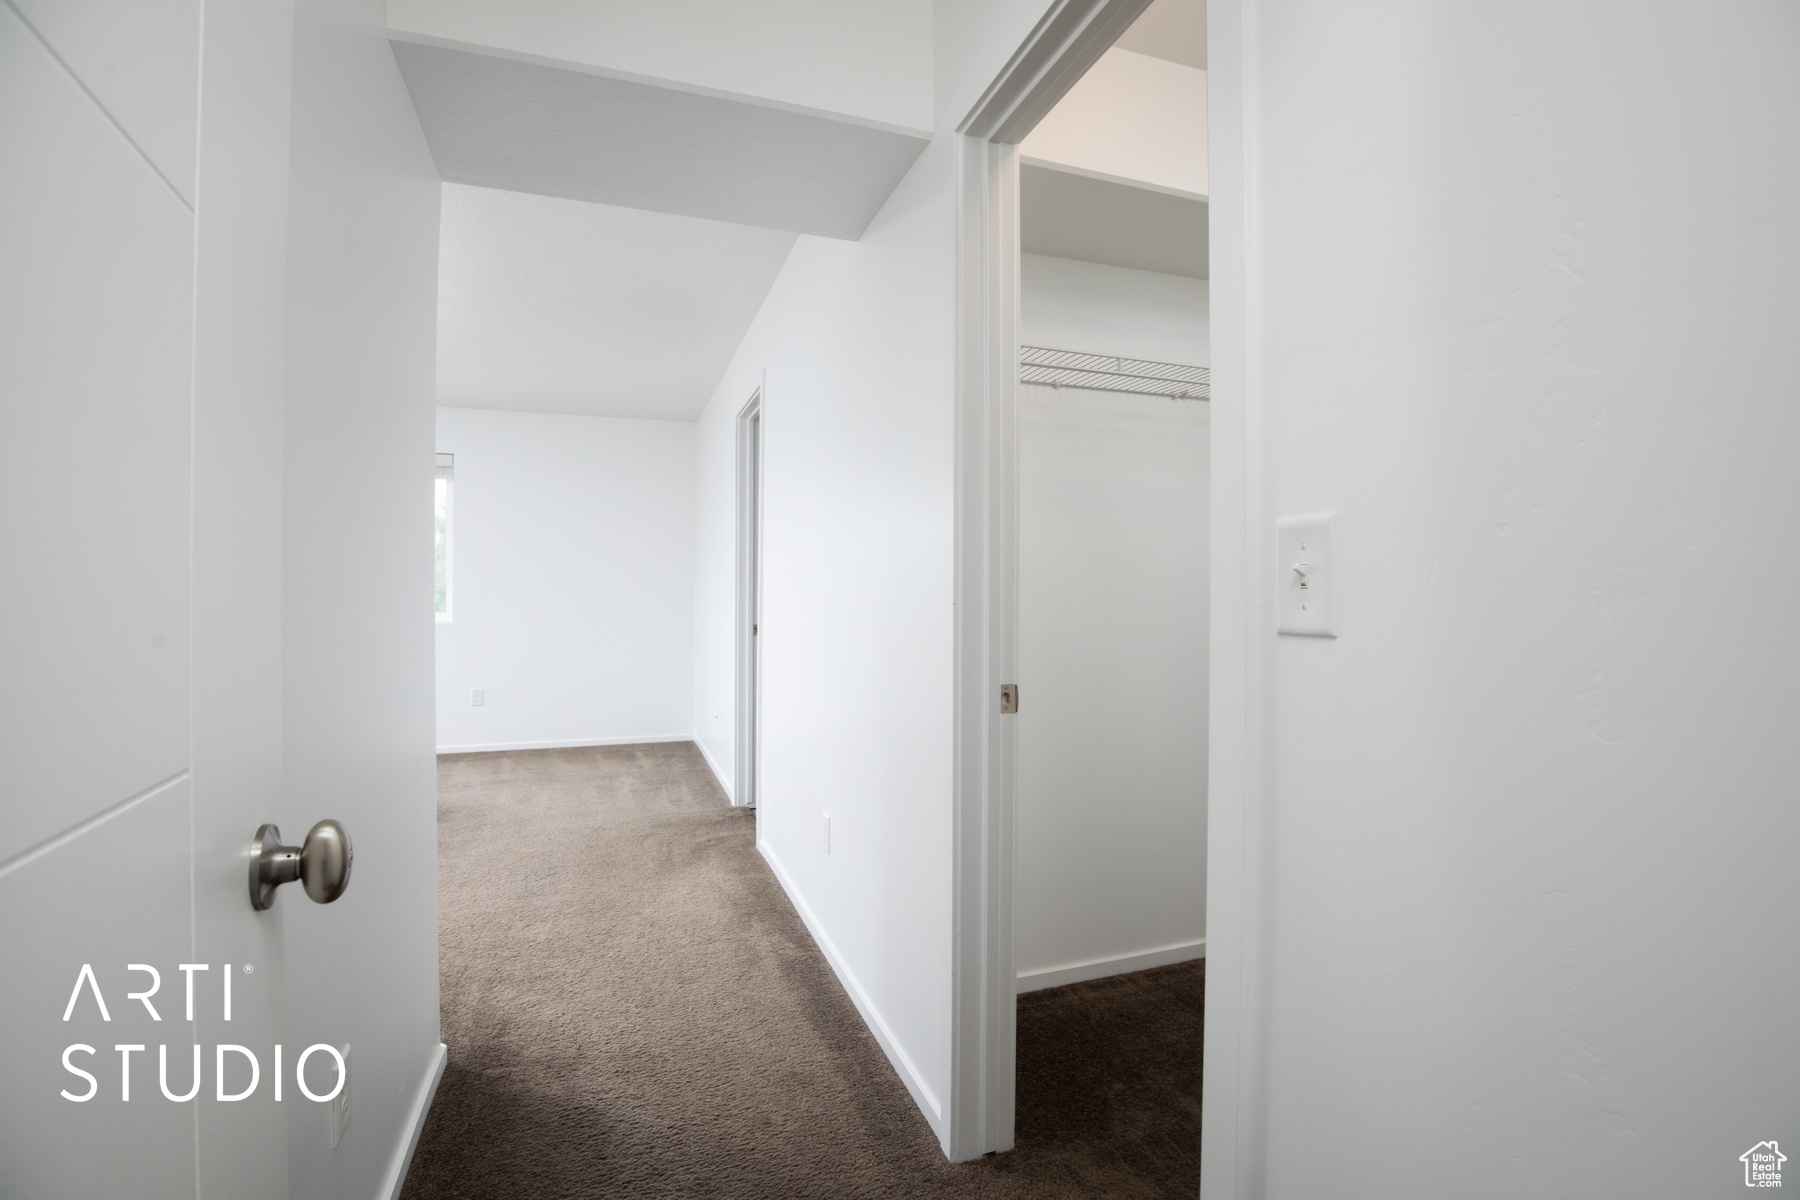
340,1103
827,817
478,697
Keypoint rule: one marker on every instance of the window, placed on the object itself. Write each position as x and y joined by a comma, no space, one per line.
446,465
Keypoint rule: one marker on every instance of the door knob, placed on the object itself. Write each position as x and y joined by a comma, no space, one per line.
322,865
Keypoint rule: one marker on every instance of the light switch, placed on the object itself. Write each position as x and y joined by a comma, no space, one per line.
1307,581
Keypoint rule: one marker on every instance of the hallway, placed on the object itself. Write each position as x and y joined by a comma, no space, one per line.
633,1008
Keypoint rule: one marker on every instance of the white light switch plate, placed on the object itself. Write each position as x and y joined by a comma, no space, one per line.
1307,584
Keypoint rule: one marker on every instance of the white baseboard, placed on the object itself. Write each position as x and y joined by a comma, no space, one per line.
1100,968
903,1066
415,1125
717,774
565,743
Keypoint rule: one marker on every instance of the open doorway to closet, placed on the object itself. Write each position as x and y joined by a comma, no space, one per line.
748,592
1113,463
1086,433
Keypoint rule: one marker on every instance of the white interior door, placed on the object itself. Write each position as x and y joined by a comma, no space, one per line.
140,421
748,699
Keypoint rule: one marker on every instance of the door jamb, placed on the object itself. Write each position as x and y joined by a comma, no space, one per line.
747,614
1234,1114
1070,38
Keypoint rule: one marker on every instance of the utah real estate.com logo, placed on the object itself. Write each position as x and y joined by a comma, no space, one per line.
1762,1165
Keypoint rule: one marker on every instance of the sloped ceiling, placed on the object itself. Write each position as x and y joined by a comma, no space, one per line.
552,305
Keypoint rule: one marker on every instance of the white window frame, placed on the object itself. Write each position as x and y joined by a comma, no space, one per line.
446,470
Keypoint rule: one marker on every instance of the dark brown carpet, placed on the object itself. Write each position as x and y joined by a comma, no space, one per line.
633,1009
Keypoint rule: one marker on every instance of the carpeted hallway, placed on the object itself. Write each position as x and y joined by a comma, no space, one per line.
633,1009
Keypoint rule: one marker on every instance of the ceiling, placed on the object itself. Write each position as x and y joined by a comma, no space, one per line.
526,126
1170,29
1066,215
553,305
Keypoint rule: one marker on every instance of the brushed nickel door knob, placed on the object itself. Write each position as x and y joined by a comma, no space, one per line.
322,864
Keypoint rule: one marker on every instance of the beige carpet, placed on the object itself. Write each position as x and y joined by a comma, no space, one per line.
633,1009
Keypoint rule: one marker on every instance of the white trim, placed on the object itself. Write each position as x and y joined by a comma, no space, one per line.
922,1094
746,592
1242,639
1069,38
446,471
564,743
421,1108
1072,35
724,785
983,1038
1100,968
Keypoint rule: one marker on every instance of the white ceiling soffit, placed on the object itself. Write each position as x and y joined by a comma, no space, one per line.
1066,215
1171,29
551,305
530,127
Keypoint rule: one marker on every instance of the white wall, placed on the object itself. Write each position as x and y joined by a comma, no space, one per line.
1113,609
856,340
573,581
868,60
356,561
1523,861
1100,309
1110,861
1131,117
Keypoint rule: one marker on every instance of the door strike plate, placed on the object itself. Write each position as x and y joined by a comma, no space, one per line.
1009,697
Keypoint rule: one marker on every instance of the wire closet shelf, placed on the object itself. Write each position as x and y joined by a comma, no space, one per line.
1104,373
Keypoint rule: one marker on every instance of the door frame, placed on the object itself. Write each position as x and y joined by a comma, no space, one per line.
747,615
1072,35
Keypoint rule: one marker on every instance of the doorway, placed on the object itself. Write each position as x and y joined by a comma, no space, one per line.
749,603
994,697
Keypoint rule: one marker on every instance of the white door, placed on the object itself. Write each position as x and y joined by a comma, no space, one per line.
748,698
141,257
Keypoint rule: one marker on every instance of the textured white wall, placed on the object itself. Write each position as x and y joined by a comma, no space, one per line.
1526,883
1113,609
869,60
573,580
856,621
356,612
